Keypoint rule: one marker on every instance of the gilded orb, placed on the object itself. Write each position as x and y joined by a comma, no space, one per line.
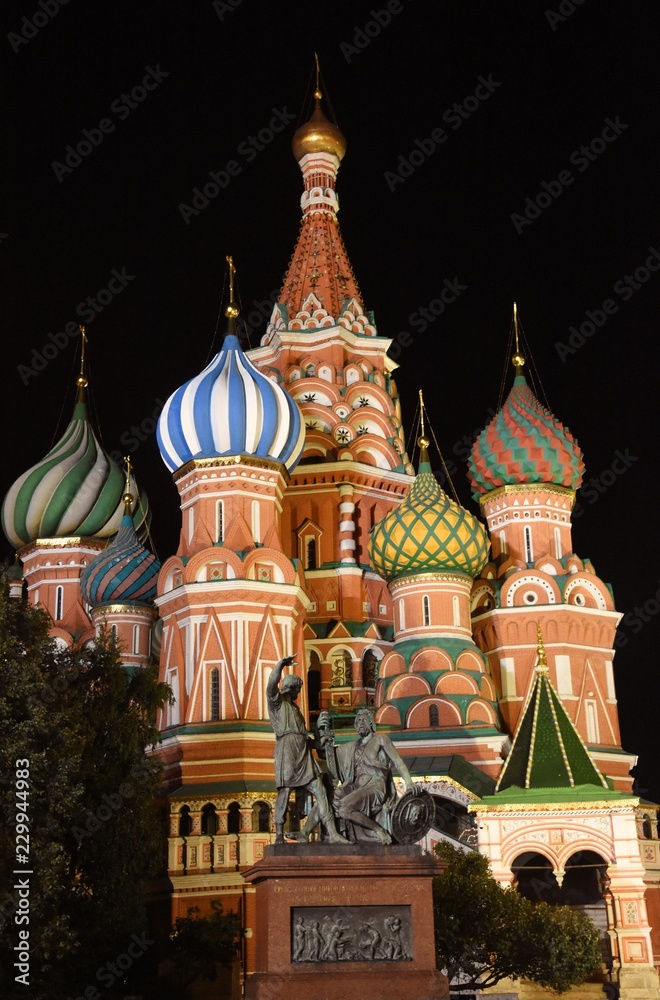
318,135
231,310
517,360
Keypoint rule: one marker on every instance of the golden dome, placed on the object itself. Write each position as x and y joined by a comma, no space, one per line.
318,135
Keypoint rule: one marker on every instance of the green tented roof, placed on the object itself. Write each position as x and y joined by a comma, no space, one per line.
547,750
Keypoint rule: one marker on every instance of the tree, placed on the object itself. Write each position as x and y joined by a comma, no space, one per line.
198,944
485,933
85,725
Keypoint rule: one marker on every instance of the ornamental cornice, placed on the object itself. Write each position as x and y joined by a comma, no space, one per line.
462,578
527,488
552,808
122,609
69,542
222,461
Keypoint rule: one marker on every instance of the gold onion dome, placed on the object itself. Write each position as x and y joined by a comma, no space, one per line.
318,135
428,533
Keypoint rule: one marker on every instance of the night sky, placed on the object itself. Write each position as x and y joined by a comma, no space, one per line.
534,175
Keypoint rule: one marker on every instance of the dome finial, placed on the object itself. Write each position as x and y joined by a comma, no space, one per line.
422,440
81,381
541,660
128,497
317,92
231,309
318,135
518,360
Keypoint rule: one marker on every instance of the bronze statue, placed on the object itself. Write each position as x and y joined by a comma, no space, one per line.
364,797
295,767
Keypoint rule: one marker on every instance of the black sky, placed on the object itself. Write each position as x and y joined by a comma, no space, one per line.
223,72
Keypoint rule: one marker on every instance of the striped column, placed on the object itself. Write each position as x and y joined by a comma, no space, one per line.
346,524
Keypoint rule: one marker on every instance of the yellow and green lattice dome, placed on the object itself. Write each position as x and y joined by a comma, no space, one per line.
428,533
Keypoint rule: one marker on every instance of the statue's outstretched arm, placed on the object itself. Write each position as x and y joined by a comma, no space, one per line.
276,674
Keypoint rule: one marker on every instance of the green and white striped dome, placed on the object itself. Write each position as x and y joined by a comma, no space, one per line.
76,489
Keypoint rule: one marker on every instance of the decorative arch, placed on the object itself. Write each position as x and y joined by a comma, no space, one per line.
469,659
479,711
388,715
456,683
409,686
518,589
430,658
588,592
391,665
449,715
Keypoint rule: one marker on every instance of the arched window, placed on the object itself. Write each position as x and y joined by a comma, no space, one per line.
261,817
219,521
310,552
185,822
256,520
234,818
314,682
209,820
136,639
426,604
647,833
191,523
529,554
59,604
215,695
113,633
502,543
434,718
557,534
402,614
456,609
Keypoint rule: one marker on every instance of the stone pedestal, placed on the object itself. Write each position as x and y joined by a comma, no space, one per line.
339,922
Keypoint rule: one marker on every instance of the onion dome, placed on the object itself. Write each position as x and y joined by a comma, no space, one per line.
124,573
75,490
524,443
318,135
231,408
428,533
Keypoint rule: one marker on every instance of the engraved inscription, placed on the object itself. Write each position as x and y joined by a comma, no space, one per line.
351,934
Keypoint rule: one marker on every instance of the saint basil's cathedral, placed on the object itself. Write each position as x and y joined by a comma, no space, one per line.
484,647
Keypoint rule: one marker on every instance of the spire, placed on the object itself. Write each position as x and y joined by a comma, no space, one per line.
518,359
319,265
231,309
547,750
81,381
422,440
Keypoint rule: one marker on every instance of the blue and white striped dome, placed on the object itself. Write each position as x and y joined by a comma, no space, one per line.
231,408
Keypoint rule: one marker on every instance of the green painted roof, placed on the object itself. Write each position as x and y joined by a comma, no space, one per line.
455,767
547,752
